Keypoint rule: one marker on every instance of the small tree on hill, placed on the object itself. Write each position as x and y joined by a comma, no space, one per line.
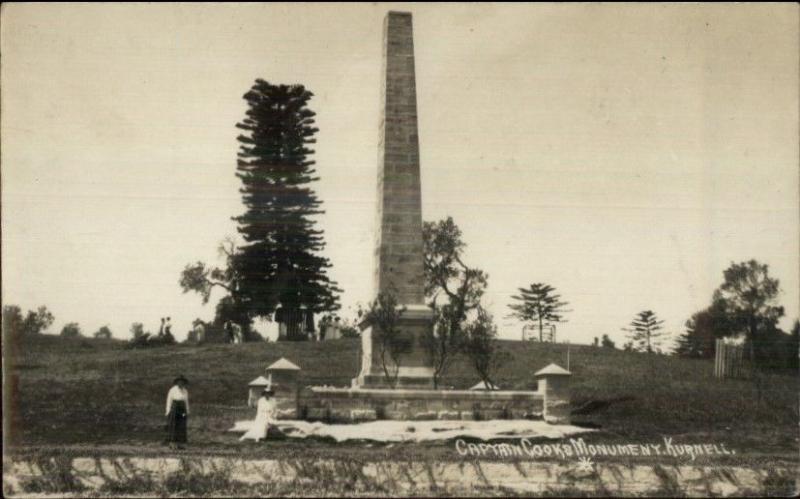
71,330
540,305
645,331
749,296
104,332
12,321
702,331
203,279
137,330
35,322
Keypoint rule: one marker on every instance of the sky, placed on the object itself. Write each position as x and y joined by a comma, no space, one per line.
624,154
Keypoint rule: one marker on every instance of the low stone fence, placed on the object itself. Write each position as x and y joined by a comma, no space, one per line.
351,405
348,405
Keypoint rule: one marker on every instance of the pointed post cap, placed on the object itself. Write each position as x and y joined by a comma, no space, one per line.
552,370
283,364
259,381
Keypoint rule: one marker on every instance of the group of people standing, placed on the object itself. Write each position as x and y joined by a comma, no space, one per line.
177,414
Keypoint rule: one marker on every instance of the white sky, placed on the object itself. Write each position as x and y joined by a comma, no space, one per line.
623,154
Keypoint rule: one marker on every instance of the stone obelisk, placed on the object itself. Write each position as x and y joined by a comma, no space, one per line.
399,251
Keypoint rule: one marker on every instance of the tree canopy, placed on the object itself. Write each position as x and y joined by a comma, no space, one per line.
749,297
645,331
278,264
454,291
538,304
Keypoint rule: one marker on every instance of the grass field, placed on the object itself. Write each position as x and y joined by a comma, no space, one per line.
81,395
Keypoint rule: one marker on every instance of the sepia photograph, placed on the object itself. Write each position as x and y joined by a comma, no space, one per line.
400,249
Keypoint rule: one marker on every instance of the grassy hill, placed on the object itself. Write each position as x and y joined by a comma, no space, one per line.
87,392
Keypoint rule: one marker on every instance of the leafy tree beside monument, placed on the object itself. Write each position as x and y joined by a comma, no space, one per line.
454,291
540,305
481,347
384,314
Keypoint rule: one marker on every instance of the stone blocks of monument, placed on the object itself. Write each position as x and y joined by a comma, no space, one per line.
398,247
399,252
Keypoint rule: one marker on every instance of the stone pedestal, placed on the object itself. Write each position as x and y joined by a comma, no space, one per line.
554,385
415,370
283,380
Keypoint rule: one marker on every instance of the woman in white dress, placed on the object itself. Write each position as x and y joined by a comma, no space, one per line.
265,416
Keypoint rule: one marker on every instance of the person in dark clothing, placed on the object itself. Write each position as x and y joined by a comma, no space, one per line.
177,412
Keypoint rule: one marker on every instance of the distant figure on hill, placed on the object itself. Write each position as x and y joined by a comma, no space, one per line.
177,412
199,331
168,328
265,416
161,328
234,332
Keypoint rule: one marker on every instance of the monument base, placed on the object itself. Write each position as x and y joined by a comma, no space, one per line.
408,377
415,370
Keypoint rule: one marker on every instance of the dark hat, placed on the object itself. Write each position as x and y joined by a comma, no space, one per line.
180,378
268,391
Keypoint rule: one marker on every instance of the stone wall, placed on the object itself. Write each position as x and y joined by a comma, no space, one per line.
352,405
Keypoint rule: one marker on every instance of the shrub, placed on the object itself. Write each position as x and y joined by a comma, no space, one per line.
71,330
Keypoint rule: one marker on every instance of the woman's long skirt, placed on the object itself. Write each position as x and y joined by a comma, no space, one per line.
176,424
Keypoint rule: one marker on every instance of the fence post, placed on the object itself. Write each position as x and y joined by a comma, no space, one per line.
554,384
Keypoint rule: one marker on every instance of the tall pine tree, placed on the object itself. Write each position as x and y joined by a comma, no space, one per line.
279,263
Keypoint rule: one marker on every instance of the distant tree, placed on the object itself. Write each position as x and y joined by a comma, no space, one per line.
280,262
606,342
71,330
794,347
773,348
137,330
203,279
12,321
103,332
35,322
749,296
702,331
538,305
628,346
383,315
481,347
460,286
645,331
